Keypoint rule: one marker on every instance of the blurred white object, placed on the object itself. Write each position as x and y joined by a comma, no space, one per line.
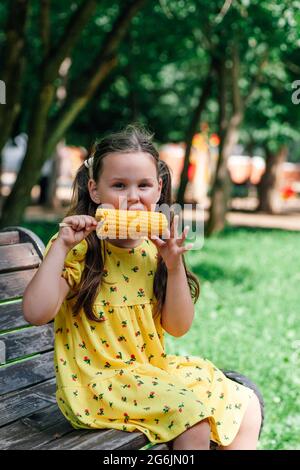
239,167
13,153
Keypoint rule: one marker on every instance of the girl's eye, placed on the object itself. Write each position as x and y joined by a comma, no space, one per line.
117,185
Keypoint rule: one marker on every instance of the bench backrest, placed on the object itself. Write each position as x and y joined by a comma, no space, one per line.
26,352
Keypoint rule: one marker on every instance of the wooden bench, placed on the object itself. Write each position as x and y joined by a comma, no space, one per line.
29,415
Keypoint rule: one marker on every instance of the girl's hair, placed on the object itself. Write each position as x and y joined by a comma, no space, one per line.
134,138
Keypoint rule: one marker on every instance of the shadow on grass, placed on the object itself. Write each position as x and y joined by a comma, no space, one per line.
212,272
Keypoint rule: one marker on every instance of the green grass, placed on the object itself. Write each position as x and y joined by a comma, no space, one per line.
247,318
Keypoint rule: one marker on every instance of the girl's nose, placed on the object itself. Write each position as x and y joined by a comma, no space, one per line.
133,195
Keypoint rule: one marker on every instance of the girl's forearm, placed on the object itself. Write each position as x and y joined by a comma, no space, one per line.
42,295
178,309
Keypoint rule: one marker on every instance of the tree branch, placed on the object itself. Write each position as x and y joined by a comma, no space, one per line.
13,66
196,117
224,10
45,25
102,65
72,32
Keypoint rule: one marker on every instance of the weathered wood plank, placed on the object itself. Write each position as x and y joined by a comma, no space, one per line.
11,316
162,446
22,403
32,371
48,429
36,339
18,257
102,439
37,429
16,234
14,284
9,238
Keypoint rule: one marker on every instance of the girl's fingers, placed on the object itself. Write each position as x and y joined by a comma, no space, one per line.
183,236
175,233
157,241
187,247
174,227
80,222
171,231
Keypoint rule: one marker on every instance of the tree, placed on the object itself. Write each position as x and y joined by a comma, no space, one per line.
44,133
252,44
12,68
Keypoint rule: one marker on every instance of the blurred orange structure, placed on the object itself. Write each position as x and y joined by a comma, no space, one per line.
203,159
242,169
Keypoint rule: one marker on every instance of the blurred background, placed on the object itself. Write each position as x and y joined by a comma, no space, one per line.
218,84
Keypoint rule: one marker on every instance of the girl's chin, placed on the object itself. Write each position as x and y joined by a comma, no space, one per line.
126,242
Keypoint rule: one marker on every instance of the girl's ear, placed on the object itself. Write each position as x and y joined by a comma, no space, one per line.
159,188
92,187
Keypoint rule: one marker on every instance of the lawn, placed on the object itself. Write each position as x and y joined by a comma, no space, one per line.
247,318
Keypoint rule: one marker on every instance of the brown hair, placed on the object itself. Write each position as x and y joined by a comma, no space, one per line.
133,138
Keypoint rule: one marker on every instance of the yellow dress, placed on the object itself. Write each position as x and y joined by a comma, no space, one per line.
116,374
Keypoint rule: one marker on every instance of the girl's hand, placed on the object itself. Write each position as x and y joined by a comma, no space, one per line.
172,248
79,227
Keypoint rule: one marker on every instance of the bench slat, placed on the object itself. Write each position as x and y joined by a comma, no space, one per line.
22,403
15,234
32,340
13,284
48,428
9,238
18,257
32,371
99,440
11,316
162,446
35,430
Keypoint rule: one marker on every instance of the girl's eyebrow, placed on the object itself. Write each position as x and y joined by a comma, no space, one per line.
125,179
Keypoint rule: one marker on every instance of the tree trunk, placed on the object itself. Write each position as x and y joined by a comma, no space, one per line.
104,62
219,201
196,117
229,133
30,170
29,173
52,201
74,104
12,67
268,188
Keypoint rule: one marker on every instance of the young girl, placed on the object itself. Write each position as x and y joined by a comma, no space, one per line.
113,299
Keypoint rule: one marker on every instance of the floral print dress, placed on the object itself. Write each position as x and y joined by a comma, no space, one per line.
116,373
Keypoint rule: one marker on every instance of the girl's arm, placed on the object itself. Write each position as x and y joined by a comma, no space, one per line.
47,290
178,309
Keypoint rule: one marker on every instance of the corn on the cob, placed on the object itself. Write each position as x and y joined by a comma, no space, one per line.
118,223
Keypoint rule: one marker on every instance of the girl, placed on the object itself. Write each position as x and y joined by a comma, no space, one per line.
112,300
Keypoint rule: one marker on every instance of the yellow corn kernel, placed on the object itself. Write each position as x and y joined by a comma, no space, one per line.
118,223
